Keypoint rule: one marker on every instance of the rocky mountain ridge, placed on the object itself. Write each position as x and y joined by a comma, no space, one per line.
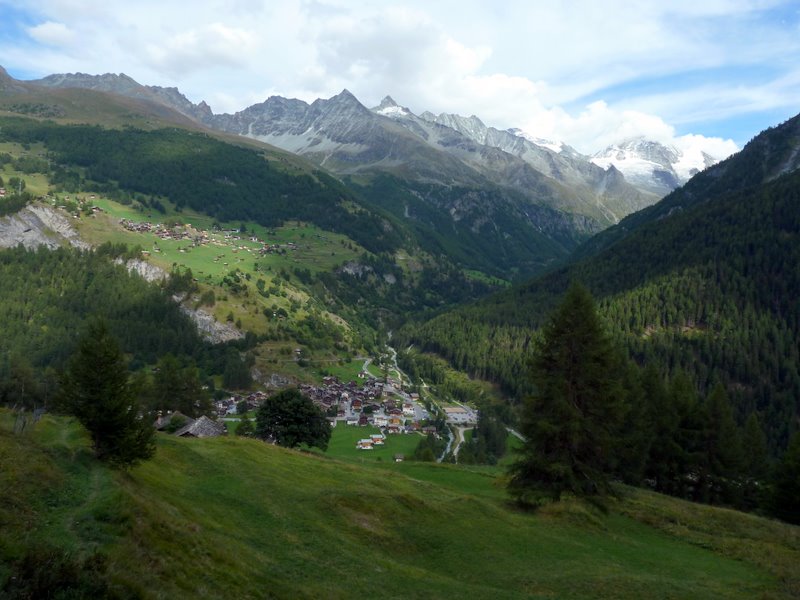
345,137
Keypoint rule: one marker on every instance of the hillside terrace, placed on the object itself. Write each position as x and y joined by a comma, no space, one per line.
200,237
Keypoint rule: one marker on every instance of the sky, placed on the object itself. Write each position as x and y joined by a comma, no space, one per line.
707,74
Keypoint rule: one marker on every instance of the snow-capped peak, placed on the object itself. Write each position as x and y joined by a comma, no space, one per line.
389,108
652,165
556,147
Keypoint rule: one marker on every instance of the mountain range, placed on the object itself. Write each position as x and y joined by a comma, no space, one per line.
319,231
345,137
704,282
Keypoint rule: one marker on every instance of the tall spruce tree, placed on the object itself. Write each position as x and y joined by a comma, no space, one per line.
756,463
571,420
723,450
96,390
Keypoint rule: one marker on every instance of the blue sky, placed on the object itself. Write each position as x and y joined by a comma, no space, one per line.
708,74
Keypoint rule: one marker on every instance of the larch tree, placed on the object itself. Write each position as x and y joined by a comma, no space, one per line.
571,420
95,389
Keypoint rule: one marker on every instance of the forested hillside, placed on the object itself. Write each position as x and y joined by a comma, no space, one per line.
770,154
46,298
711,290
191,169
413,264
489,230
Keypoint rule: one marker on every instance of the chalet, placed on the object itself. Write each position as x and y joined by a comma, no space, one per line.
363,420
378,439
365,444
429,430
352,421
399,458
408,409
394,429
202,428
380,421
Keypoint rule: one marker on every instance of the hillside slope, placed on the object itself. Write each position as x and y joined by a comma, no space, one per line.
706,281
231,517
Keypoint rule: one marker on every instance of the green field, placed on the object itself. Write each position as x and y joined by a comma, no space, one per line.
35,183
228,251
348,371
343,444
226,517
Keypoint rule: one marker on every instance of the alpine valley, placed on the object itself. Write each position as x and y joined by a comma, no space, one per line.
407,273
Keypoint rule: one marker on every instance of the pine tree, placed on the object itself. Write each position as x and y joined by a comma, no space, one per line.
245,428
570,421
690,457
756,463
96,390
178,387
723,448
665,454
637,429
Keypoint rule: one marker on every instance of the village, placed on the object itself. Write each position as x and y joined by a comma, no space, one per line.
199,237
371,402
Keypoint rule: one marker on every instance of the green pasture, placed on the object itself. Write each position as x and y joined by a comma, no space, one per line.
227,517
343,444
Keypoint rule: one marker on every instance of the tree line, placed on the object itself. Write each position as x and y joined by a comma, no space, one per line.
594,417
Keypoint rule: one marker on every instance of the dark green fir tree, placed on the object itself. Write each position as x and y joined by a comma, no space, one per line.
570,421
95,389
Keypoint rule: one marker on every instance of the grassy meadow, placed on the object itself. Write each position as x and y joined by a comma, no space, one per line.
342,445
227,517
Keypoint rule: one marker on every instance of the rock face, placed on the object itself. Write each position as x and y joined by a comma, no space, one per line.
144,269
38,225
214,331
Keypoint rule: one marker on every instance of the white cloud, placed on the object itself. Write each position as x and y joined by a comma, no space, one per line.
51,33
599,126
555,69
205,47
